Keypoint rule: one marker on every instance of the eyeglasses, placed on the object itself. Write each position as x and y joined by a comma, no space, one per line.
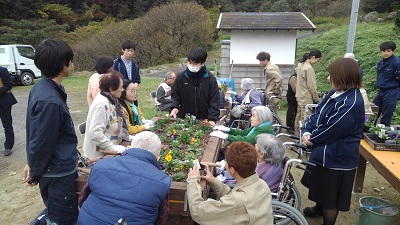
132,91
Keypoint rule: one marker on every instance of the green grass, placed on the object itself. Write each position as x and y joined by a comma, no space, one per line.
332,44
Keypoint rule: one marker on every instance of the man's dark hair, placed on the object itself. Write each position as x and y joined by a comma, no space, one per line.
316,53
103,64
197,55
110,81
263,56
387,45
128,45
52,55
242,156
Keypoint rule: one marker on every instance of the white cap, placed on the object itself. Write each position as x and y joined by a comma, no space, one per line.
350,56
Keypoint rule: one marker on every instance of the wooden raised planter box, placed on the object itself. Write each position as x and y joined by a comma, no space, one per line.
178,202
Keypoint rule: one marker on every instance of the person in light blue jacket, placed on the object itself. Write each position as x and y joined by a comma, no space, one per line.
333,132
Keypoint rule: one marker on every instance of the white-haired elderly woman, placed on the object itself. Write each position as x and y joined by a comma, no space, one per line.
164,92
260,124
270,155
249,98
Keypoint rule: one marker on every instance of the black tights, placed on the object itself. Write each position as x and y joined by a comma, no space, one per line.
330,216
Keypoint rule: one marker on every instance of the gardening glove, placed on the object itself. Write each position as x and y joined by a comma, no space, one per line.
148,122
219,134
148,126
222,128
118,148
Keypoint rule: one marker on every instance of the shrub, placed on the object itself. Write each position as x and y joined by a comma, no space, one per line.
161,35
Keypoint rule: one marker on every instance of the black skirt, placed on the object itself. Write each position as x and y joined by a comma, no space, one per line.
331,188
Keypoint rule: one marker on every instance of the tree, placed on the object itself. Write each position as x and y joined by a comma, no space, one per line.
170,30
60,13
30,31
280,6
377,5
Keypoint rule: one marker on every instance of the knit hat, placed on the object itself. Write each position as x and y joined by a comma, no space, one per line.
350,56
247,84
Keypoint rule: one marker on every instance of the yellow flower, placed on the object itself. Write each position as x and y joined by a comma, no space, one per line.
170,152
174,132
168,158
206,120
193,141
181,167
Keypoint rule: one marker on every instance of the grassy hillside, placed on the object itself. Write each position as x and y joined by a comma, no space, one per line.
333,44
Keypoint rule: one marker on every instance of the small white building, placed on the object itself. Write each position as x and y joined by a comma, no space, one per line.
251,33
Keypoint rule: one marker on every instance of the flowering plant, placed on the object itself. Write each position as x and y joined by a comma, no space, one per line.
222,86
183,140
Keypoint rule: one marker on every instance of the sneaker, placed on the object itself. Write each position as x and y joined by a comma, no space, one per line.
8,152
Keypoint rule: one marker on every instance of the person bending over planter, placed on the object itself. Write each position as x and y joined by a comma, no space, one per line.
131,187
260,124
106,126
135,120
249,202
195,90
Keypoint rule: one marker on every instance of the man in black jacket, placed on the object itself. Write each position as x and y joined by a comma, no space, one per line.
195,90
7,100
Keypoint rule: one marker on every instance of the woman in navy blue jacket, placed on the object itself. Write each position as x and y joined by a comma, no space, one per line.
334,132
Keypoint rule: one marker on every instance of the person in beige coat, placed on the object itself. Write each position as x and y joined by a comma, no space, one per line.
274,79
306,88
249,202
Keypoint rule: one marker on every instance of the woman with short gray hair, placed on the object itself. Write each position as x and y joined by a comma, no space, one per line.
270,155
260,124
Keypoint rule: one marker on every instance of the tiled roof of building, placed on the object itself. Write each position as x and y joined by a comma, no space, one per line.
264,21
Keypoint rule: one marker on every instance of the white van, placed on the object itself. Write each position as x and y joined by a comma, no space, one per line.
18,59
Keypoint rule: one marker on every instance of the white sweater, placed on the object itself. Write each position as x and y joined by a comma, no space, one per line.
102,130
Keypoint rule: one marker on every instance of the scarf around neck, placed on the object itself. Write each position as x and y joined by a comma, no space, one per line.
136,114
123,133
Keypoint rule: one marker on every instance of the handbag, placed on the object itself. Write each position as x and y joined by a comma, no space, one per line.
236,111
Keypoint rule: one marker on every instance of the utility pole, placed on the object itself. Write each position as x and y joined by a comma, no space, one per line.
352,26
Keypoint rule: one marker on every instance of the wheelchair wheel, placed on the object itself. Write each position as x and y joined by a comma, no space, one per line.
285,214
291,194
276,120
293,198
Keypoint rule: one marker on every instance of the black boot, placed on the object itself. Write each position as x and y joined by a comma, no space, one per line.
312,211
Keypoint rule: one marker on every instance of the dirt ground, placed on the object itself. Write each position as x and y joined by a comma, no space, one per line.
20,204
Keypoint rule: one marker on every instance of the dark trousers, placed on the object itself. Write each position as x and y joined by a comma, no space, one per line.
291,115
386,100
58,194
6,120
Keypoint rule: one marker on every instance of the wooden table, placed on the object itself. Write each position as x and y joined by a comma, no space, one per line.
387,163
